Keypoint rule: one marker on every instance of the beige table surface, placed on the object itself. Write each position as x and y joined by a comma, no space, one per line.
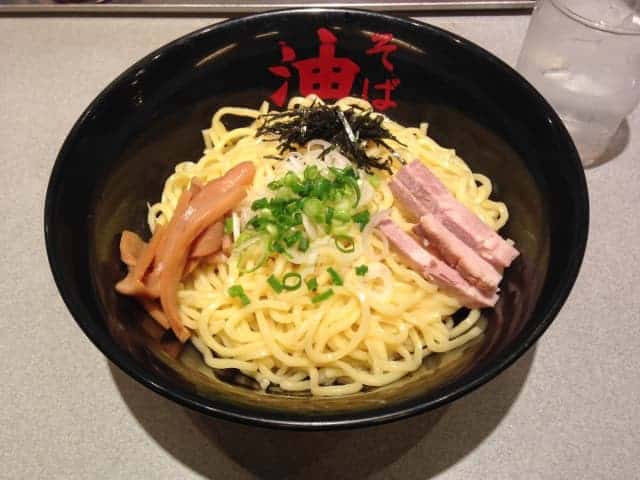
570,409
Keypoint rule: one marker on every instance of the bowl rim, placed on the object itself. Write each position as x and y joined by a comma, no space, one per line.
243,414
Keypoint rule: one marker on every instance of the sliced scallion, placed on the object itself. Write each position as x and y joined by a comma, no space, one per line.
275,185
260,204
328,216
313,208
362,270
336,279
292,281
327,199
236,291
311,172
345,243
312,284
341,215
228,225
374,180
275,284
252,246
362,218
323,296
303,244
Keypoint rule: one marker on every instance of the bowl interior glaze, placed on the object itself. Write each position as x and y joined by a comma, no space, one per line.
128,141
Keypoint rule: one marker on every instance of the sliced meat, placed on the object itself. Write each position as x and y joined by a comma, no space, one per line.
458,254
434,269
419,232
409,204
424,193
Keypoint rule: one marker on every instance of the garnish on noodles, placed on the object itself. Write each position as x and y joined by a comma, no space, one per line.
349,130
324,248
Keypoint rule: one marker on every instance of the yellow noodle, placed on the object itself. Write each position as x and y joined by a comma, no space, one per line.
366,334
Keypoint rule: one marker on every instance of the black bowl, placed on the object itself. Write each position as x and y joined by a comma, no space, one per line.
121,149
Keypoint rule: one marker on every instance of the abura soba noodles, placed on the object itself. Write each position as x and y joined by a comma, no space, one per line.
324,248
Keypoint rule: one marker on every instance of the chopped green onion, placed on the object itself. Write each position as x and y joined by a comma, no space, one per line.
277,204
236,291
245,236
260,204
356,189
258,247
291,179
258,222
337,173
311,172
271,229
275,185
285,195
362,218
343,204
328,216
350,172
292,238
312,284
275,284
228,225
340,229
326,199
282,218
322,188
336,279
292,285
322,297
276,247
362,270
374,180
342,215
258,264
303,244
345,243
313,208
294,206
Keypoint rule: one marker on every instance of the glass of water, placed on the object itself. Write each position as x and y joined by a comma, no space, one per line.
584,57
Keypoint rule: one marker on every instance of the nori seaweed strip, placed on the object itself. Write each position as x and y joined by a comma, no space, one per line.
297,127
